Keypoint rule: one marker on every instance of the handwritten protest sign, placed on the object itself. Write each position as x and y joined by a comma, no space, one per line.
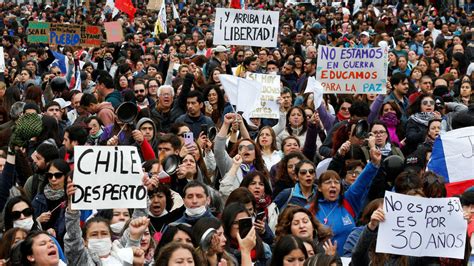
114,31
246,27
108,177
65,34
268,97
352,70
38,32
416,226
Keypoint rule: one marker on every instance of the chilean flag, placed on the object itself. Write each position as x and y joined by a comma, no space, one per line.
453,158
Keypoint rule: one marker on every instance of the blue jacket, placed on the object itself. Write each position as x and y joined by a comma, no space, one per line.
338,216
293,196
40,205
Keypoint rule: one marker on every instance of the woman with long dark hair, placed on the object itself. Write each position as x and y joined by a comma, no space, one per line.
49,204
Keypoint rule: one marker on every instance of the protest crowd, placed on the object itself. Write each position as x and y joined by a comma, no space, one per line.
129,133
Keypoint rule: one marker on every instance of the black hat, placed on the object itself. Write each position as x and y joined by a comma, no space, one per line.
33,106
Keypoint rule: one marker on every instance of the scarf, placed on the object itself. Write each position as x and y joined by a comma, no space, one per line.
390,119
385,150
97,135
262,203
340,117
247,168
52,194
422,118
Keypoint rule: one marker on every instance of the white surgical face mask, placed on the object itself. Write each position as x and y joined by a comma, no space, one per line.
100,246
196,211
117,227
26,224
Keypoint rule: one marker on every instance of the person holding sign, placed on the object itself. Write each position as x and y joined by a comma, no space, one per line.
96,248
337,208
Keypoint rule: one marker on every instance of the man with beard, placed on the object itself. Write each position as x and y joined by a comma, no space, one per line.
45,153
400,49
75,135
141,95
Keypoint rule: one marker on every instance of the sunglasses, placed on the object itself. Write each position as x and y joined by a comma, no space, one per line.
428,102
56,175
249,147
305,171
26,212
139,91
57,73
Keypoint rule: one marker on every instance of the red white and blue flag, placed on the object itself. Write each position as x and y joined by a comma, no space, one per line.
453,158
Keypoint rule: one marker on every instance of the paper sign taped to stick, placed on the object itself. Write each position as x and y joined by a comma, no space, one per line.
419,227
246,27
108,177
114,31
353,70
270,91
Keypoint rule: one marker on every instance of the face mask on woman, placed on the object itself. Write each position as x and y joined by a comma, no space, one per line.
100,246
117,227
26,224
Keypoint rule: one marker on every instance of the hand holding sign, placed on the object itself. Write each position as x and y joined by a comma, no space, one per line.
415,226
377,217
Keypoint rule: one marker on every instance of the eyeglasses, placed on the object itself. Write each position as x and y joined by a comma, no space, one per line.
182,134
380,132
57,175
249,147
17,214
165,95
427,102
305,171
139,91
332,181
353,172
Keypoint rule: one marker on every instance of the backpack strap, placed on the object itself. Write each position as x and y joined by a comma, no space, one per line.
349,208
366,154
288,200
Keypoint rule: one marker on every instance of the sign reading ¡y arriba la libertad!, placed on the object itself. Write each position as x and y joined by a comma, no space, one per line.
108,177
246,27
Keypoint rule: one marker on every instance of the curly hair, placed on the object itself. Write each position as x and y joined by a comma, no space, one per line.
321,233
